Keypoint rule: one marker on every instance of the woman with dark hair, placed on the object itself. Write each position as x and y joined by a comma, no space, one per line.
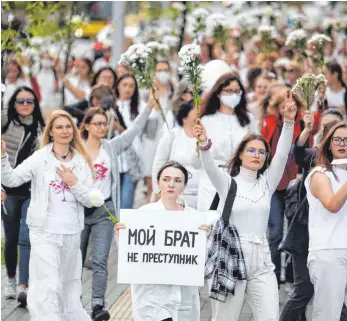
154,127
166,302
226,118
105,153
105,76
77,87
129,106
21,126
179,144
326,188
297,238
256,178
14,78
336,92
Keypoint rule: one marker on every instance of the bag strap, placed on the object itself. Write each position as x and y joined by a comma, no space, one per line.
215,202
229,202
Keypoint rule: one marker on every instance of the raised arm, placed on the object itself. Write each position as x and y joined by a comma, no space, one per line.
162,155
275,171
220,179
121,142
23,173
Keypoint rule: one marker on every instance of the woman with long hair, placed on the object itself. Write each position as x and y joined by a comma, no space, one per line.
105,76
336,92
326,188
14,78
295,307
21,125
166,302
226,118
104,152
77,87
256,177
179,144
129,106
61,180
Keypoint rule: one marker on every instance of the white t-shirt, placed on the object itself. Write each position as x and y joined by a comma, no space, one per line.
335,99
70,98
327,230
102,166
62,211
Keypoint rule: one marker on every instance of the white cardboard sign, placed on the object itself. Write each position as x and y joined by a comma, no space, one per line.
162,247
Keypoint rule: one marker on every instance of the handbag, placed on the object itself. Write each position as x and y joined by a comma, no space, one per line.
229,202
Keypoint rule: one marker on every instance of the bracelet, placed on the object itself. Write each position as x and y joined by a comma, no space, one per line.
289,121
2,157
207,146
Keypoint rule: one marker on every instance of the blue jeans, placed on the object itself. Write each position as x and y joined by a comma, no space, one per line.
100,229
275,229
127,192
16,232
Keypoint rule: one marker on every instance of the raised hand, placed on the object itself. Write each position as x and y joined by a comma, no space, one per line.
308,120
290,107
199,131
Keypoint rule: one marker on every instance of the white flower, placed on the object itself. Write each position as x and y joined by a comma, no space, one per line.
295,35
189,52
266,28
10,18
200,13
96,198
3,88
319,38
179,6
76,19
213,21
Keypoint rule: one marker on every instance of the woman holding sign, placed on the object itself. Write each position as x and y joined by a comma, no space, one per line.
256,181
151,302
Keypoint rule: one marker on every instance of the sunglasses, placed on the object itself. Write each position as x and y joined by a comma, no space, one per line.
289,70
28,101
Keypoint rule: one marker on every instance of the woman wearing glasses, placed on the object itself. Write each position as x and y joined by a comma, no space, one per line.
226,119
326,187
22,124
256,180
105,153
61,180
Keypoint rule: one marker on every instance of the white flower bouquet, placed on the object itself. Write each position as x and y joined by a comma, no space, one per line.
296,40
141,62
217,27
267,33
199,17
318,40
307,86
171,41
97,200
191,68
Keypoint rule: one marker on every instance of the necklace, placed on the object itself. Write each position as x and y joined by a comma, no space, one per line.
61,156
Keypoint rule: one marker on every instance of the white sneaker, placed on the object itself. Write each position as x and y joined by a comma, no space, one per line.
10,290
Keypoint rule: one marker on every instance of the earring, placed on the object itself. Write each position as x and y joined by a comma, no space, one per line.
51,138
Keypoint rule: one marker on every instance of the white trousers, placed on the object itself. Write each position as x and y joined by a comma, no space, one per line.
55,270
260,287
328,273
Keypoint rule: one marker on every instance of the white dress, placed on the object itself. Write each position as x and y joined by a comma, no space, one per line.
226,134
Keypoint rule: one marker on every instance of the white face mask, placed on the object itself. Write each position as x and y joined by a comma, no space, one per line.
46,63
231,101
163,77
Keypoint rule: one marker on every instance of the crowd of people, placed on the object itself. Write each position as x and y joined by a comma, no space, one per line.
69,129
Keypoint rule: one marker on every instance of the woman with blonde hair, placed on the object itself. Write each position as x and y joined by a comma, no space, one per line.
61,178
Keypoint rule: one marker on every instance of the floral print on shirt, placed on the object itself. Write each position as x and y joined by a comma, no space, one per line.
101,170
